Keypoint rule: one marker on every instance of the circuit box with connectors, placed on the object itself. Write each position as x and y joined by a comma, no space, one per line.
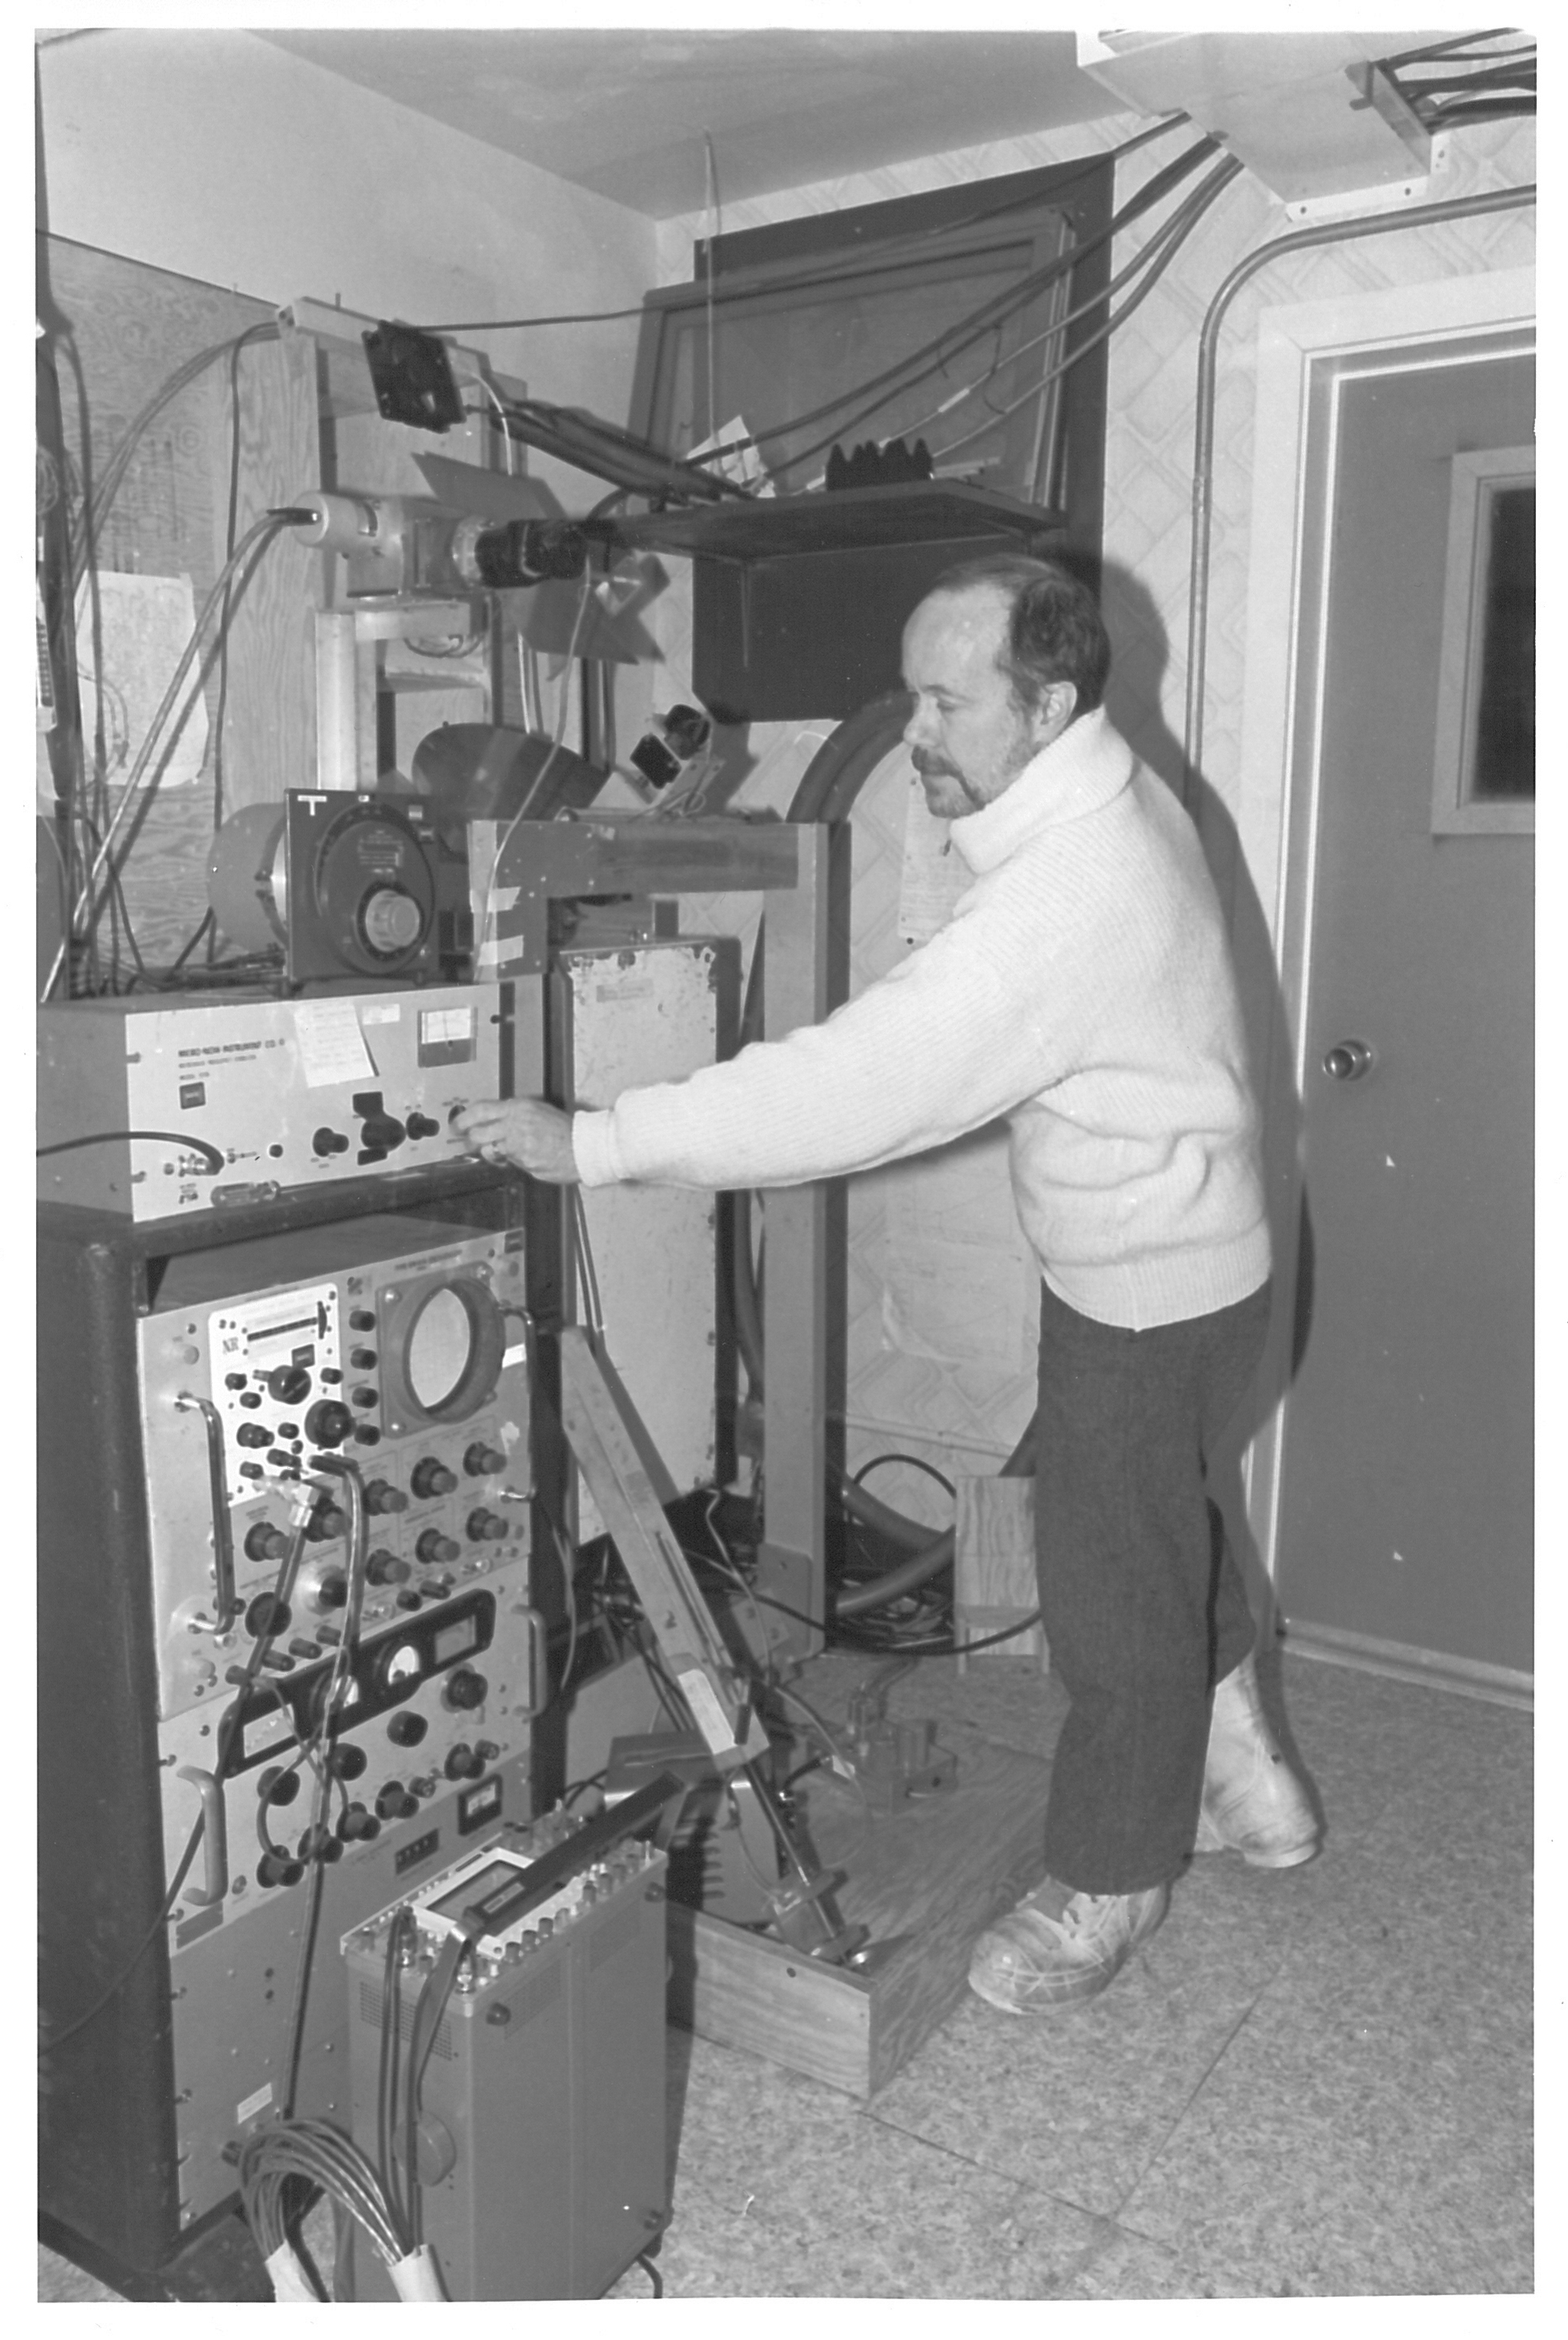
540,2136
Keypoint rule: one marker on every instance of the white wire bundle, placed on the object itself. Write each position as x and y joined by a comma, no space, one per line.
326,2158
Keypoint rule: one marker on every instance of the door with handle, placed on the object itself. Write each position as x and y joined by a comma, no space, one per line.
1403,1503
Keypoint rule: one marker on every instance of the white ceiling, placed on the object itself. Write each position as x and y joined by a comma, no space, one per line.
624,111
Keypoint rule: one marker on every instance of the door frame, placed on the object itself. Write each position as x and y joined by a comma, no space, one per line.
1277,805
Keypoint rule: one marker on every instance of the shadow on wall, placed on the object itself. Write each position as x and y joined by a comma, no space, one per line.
1141,655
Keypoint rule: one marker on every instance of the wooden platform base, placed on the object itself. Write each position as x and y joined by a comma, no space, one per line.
926,1880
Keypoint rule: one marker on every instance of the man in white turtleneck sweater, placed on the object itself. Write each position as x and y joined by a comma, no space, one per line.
1082,990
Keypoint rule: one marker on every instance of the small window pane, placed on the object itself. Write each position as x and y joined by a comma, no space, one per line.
1504,764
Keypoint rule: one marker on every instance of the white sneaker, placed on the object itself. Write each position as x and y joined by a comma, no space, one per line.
1253,1802
1059,1946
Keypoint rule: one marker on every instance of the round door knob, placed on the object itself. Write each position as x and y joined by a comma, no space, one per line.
1348,1060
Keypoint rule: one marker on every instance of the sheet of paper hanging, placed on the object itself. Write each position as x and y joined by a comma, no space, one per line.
132,631
738,460
960,1285
330,1043
934,873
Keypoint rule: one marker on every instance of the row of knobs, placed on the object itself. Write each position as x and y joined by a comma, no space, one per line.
359,1823
430,1479
377,1129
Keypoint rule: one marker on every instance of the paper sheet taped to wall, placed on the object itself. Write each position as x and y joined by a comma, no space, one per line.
132,631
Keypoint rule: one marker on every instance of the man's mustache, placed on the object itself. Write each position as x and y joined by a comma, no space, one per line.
931,767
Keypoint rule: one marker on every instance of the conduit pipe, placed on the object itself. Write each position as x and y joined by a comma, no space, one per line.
1330,232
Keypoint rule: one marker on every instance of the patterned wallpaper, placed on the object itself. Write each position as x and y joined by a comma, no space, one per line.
940,1298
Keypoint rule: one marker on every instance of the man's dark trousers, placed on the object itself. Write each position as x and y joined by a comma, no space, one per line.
1144,1606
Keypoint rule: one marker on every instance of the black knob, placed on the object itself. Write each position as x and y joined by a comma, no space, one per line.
437,1550
463,1761
325,1522
426,1785
328,1423
407,1600
382,1497
277,1785
486,1527
358,1821
277,1868
330,1591
483,1462
435,1588
361,1320
486,1750
267,1614
380,1131
253,1434
464,1689
365,1397
289,1385
265,1543
347,1763
393,1802
319,1844
385,1567
329,1141
235,1381
407,1728
303,1648
419,1124
362,1360
431,1478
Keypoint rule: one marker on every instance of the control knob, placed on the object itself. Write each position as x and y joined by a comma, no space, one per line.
407,1728
437,1550
483,1462
324,1592
328,1423
265,1542
393,1802
277,1868
463,1761
464,1689
431,1477
267,1614
385,1567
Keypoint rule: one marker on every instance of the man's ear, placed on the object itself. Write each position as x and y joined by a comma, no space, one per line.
1054,711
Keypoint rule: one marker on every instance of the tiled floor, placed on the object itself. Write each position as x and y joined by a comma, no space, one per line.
1309,2083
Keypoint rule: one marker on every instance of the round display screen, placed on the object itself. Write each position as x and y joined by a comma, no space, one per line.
440,1350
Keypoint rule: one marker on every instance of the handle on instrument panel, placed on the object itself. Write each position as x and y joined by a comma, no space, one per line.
215,1837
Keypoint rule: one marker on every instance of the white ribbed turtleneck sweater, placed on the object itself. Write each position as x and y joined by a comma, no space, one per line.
1082,990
